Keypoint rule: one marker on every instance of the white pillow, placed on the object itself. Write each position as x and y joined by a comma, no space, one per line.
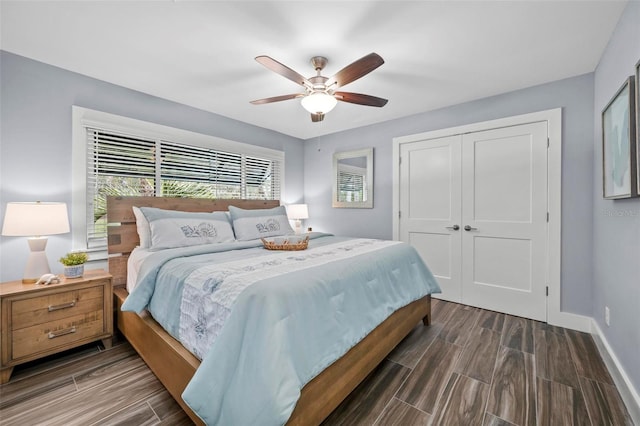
171,228
260,223
142,224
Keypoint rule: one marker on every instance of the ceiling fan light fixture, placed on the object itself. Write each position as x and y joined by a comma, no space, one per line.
319,103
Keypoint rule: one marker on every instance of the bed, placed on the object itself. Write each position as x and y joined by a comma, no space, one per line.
176,366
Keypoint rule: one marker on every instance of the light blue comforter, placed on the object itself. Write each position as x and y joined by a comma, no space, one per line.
283,329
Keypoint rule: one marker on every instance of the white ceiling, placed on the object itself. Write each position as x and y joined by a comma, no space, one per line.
201,53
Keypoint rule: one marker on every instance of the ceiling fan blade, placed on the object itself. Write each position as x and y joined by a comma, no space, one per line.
360,99
354,71
277,99
317,117
283,70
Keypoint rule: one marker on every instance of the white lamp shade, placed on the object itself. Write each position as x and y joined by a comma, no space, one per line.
30,219
318,102
297,211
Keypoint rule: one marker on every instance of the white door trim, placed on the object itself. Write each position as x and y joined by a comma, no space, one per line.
553,117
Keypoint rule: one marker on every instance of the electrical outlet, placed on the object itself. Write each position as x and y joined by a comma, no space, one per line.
607,316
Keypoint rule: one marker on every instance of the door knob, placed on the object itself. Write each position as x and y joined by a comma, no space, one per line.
468,228
454,227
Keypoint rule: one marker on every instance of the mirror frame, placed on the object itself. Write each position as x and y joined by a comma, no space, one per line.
368,203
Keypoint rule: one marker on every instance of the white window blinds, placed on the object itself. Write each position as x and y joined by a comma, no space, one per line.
120,164
351,184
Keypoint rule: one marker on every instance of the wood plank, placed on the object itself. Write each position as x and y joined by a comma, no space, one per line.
159,409
86,407
559,404
430,376
368,400
442,311
107,371
512,395
118,268
478,358
491,420
122,238
167,408
538,325
398,413
138,414
42,365
492,320
553,358
586,357
122,212
457,329
177,419
412,347
34,397
518,334
604,403
462,402
18,288
39,383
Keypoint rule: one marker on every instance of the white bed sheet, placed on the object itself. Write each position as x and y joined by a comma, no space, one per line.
137,256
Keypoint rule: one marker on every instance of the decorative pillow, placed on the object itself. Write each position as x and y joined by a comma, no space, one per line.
170,228
144,232
260,223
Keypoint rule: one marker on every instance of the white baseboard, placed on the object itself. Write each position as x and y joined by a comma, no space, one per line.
628,393
569,320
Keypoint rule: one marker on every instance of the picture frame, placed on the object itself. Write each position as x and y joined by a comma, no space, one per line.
637,83
619,158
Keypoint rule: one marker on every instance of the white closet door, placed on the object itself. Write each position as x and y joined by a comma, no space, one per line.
504,220
430,208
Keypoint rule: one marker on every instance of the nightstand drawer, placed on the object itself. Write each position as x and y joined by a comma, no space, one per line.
45,309
46,336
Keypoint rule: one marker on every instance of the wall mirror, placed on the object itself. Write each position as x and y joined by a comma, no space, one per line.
353,179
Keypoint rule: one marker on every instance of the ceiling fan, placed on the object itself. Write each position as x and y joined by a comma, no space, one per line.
320,95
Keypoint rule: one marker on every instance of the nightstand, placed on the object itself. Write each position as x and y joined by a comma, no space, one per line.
40,320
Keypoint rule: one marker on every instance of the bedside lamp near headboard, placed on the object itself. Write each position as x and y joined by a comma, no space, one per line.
35,220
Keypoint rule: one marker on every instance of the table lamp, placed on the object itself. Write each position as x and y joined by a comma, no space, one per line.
35,220
297,212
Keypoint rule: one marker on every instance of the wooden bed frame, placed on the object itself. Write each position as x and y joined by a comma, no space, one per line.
174,365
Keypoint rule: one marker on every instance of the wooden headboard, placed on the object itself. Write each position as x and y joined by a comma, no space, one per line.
122,234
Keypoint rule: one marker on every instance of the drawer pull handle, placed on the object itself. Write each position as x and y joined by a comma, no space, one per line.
63,306
53,335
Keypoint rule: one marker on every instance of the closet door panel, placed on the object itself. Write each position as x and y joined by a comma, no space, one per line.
430,207
502,179
504,208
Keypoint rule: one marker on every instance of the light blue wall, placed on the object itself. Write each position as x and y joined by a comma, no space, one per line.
35,139
574,95
616,224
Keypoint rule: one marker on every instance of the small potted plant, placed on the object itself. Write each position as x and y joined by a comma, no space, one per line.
74,263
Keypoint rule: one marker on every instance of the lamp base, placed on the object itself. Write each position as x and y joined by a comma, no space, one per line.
37,263
298,224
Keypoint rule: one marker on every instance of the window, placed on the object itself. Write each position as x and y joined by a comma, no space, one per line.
351,184
132,160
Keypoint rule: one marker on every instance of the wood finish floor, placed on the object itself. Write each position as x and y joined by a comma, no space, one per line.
470,367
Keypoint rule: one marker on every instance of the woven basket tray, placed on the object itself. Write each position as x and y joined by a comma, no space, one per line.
285,245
